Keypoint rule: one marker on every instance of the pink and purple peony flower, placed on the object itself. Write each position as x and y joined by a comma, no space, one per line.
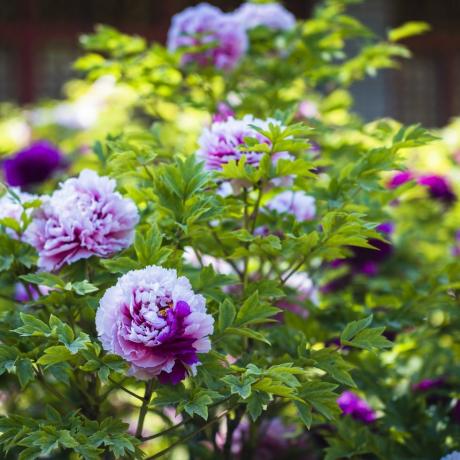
154,320
351,404
85,217
208,37
271,15
32,165
221,142
298,204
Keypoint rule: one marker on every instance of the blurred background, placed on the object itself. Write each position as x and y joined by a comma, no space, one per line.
39,42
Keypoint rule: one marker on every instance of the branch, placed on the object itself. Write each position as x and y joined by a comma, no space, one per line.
189,436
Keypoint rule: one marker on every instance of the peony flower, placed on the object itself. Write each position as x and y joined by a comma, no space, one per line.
308,109
221,143
366,260
271,15
13,209
298,204
352,404
213,37
85,217
224,112
220,266
22,295
438,188
452,456
428,384
153,320
32,165
399,178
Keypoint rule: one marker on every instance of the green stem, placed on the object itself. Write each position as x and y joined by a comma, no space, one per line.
190,436
121,387
144,408
178,425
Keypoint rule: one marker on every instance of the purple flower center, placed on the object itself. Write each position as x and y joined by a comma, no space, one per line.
158,326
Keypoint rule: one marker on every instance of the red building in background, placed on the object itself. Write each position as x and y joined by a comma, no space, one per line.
39,41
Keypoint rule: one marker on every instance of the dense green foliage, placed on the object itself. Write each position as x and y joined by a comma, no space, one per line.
64,397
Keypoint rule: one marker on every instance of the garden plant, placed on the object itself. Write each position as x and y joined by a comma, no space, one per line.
206,254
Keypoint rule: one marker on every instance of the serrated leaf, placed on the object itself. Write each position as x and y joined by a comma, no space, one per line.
24,371
354,327
32,326
227,314
254,311
370,339
246,332
55,354
304,412
257,403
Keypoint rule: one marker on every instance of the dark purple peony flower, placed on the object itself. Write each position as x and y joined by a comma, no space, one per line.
32,165
366,260
400,178
428,384
438,188
351,404
154,320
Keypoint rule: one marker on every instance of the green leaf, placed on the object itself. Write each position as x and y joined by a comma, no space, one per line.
354,327
55,354
82,287
331,362
119,264
254,311
370,339
6,261
257,403
304,412
227,313
32,327
246,332
24,371
238,386
409,29
47,279
199,405
322,397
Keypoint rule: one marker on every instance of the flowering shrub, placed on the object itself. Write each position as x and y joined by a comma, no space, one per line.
241,268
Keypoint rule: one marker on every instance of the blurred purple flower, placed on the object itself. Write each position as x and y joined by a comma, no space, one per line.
400,178
298,204
307,109
32,165
428,384
351,404
271,15
438,188
274,438
224,111
213,37
22,295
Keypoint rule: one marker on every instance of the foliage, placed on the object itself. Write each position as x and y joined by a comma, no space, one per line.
64,397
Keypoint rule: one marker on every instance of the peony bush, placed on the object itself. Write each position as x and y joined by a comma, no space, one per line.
205,253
